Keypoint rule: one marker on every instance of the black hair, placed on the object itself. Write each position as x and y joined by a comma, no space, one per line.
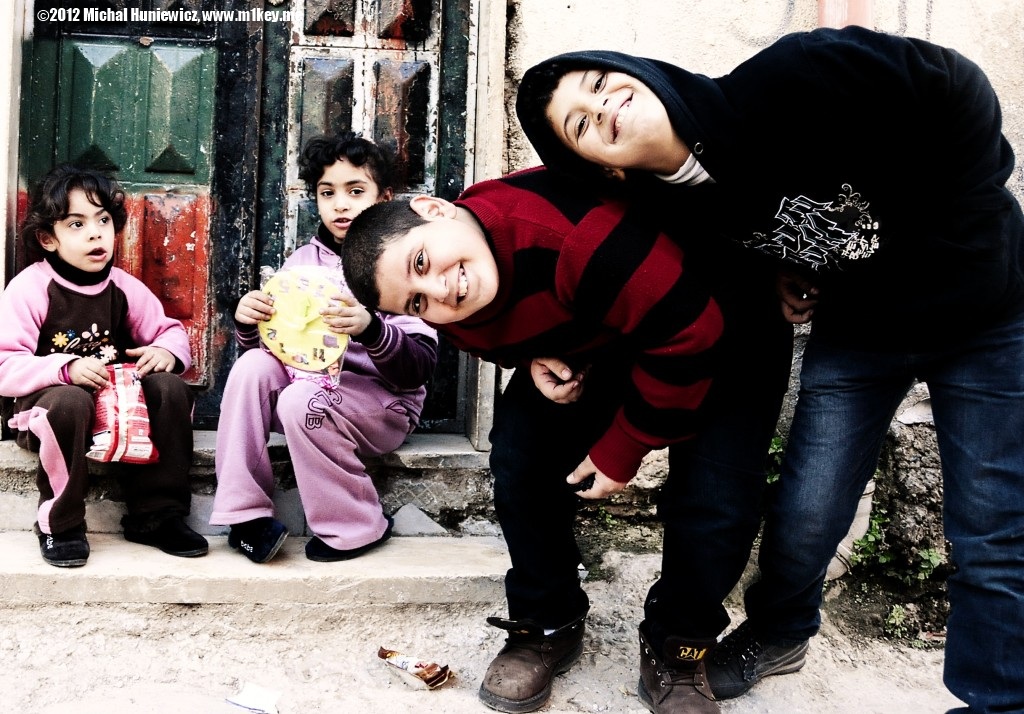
369,234
532,100
322,151
51,202
538,86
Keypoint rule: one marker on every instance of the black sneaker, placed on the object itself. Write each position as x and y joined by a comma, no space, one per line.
173,536
741,660
319,551
67,549
258,539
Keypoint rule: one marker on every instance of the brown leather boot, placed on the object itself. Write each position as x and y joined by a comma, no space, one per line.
673,681
519,678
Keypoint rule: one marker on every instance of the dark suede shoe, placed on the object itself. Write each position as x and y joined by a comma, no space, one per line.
743,659
519,678
673,681
67,549
173,536
258,539
319,551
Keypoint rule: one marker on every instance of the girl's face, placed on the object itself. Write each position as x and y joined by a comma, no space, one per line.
615,121
84,238
343,192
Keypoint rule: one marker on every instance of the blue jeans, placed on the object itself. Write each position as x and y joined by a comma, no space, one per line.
847,400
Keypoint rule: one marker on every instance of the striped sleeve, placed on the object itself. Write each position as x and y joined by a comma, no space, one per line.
620,272
247,336
404,350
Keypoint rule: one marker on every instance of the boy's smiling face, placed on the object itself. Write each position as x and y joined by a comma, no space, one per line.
442,271
343,192
614,121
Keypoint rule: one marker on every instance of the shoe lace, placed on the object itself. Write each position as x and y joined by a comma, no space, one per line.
742,644
673,677
667,675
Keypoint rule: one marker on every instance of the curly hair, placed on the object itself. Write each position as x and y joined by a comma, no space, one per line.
51,202
370,233
322,151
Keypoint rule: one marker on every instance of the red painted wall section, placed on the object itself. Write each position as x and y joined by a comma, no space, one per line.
165,244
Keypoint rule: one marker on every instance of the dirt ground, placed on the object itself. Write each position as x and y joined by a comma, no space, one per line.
159,659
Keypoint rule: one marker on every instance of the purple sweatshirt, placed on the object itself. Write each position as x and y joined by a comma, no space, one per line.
396,352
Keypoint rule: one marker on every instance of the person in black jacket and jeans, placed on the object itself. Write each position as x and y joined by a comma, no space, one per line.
873,168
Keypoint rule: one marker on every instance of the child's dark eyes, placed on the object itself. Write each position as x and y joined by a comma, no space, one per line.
599,82
327,193
580,126
416,304
419,262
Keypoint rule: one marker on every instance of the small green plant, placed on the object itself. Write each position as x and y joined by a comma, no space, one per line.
872,547
775,453
927,561
605,518
872,550
896,622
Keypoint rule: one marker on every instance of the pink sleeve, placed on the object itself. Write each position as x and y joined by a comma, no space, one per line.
147,321
23,306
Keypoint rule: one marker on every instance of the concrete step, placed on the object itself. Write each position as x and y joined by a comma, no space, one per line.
440,474
421,571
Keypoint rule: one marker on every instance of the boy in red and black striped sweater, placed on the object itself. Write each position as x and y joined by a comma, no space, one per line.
521,271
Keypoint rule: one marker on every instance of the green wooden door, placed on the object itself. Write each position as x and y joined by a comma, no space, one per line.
144,99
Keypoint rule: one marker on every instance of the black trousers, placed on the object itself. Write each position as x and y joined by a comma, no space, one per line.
710,505
56,422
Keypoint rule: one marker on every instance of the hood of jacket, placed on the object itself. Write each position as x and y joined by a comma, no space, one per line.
704,97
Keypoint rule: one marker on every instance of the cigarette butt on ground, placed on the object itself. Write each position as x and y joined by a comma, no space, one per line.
428,674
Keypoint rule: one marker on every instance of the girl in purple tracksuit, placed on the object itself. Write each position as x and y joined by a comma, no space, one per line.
66,317
330,429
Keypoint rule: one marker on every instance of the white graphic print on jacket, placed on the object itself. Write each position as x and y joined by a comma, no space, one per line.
821,235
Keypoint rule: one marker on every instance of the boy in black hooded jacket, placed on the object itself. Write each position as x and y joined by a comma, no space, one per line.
873,167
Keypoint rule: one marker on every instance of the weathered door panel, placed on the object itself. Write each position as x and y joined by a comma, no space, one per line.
145,114
381,68
142,100
166,242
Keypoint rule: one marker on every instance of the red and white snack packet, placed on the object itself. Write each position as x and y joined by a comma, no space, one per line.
121,430
417,672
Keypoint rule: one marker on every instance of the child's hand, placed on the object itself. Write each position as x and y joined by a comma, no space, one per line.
254,307
346,316
556,381
603,486
798,295
151,359
88,372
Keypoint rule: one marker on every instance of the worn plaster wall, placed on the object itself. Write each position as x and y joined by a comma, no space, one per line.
711,37
10,69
